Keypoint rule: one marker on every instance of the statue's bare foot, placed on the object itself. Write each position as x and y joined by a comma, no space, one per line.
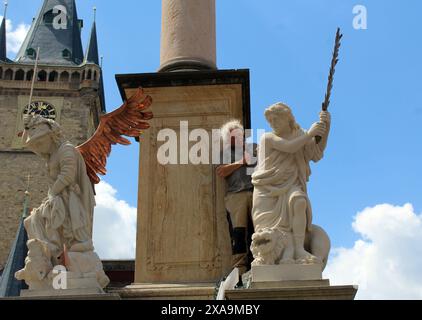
304,257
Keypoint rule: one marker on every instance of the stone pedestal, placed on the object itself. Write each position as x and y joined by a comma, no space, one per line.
304,292
286,272
77,284
80,295
291,282
198,291
183,233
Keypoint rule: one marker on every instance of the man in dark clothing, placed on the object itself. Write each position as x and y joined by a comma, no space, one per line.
238,201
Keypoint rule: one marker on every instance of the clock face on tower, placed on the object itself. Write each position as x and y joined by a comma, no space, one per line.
41,108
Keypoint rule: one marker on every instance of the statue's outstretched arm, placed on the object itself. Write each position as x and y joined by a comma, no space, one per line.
294,145
129,120
288,146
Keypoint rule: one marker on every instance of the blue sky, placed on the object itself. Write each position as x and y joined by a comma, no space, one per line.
374,154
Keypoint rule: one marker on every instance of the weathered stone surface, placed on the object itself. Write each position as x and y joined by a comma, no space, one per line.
167,292
188,35
183,232
290,284
286,272
80,295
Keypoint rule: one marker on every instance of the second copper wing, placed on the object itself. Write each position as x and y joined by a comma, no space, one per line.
128,120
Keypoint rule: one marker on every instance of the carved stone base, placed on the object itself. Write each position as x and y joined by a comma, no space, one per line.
202,291
75,294
76,284
295,293
291,282
286,272
60,293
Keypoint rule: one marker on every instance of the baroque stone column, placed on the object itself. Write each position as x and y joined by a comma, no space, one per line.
188,35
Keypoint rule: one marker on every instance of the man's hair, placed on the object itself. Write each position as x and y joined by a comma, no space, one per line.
280,108
226,130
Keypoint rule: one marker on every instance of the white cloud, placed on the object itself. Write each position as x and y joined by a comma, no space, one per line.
15,36
114,225
386,262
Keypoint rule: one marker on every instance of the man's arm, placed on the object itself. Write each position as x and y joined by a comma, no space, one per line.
227,170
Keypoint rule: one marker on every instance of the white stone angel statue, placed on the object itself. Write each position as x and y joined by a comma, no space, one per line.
63,223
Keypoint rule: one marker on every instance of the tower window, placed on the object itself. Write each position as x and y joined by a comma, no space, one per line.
8,75
42,76
53,76
29,75
64,77
31,53
20,75
49,17
76,77
66,54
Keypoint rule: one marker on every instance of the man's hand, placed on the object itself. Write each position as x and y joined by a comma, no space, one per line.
318,129
325,117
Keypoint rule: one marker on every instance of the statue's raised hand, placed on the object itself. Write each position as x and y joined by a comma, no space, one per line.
325,117
318,129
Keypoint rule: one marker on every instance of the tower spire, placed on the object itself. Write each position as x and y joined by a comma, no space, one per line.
57,31
3,46
6,4
91,55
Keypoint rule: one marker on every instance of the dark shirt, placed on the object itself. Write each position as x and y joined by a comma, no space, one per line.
241,179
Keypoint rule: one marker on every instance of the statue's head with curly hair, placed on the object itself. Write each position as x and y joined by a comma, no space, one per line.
281,119
41,134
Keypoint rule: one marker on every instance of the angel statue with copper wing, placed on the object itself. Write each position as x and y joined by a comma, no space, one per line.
60,230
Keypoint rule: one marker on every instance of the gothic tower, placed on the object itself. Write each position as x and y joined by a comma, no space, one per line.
68,89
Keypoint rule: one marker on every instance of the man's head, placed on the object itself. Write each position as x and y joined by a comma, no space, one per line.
280,118
233,134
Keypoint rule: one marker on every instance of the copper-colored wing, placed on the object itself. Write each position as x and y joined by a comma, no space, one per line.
129,120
